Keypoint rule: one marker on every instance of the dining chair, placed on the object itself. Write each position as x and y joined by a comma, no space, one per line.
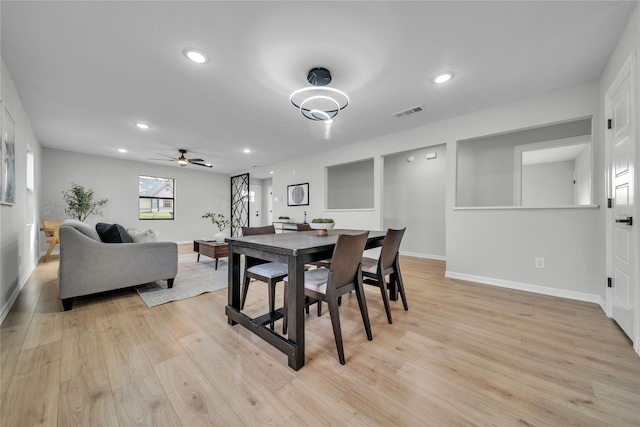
344,275
264,271
51,228
375,271
323,263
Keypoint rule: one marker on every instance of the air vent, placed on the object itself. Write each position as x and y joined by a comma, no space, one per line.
409,111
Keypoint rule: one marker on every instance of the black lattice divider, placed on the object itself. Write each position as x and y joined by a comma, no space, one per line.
239,203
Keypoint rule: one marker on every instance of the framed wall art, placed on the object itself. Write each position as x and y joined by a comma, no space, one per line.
8,159
298,194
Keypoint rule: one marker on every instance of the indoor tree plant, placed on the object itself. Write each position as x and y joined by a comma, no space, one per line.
80,203
220,221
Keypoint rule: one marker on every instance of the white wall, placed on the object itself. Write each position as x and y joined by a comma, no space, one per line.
490,245
18,233
196,192
414,195
548,184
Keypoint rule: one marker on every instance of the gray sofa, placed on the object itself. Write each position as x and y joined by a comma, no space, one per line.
88,266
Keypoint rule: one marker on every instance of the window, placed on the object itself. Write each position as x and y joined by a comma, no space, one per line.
155,197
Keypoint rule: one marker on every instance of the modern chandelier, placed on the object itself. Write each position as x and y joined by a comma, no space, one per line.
319,102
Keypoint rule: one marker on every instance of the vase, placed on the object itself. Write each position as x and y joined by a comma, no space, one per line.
322,227
220,237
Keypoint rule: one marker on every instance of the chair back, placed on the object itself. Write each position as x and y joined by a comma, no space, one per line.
390,247
304,227
254,231
345,264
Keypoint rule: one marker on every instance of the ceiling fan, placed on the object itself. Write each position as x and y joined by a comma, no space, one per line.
183,161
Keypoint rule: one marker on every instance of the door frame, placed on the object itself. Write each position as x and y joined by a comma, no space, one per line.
628,68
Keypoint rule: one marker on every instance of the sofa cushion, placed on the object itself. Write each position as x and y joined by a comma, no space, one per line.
113,233
142,236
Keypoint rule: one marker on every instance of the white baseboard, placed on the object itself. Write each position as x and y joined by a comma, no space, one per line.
562,293
14,295
424,256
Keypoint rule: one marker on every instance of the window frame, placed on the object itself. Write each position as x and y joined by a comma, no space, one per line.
157,200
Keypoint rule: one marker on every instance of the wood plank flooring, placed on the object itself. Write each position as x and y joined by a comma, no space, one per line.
464,354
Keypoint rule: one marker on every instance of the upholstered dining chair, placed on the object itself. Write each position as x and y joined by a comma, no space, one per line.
344,275
375,271
264,271
323,263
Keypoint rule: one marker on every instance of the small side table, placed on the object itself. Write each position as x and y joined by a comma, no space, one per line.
211,248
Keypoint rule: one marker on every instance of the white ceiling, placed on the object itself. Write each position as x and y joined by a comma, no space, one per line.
87,71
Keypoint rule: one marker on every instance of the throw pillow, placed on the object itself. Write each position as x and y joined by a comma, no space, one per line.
113,233
142,236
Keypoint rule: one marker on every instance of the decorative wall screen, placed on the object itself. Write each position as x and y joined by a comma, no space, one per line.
239,203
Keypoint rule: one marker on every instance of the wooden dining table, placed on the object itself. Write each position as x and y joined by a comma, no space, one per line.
296,250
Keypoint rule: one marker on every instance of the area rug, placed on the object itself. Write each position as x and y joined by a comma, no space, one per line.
193,278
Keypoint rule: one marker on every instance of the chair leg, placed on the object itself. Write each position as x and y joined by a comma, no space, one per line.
52,244
272,299
332,302
400,286
385,296
362,302
245,289
319,308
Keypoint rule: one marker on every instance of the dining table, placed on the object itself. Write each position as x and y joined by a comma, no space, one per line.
296,250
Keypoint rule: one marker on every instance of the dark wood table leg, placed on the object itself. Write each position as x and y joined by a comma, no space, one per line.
234,282
295,316
198,260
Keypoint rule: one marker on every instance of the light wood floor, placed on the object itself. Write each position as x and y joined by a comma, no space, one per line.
464,354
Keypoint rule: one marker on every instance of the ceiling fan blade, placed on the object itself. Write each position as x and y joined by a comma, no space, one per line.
195,160
200,164
172,158
163,160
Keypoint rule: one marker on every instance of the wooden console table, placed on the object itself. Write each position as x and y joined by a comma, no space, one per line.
211,248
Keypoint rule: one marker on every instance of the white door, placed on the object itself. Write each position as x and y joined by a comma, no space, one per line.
623,249
255,206
270,203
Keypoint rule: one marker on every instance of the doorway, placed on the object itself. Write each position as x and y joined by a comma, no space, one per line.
255,206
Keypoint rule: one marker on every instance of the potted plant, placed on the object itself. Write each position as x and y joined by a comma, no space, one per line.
80,203
321,225
284,217
220,221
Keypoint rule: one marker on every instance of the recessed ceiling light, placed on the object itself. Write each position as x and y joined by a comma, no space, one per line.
122,150
247,150
197,56
271,172
143,125
443,77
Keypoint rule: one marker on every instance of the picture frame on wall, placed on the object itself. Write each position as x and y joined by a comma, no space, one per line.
8,158
298,194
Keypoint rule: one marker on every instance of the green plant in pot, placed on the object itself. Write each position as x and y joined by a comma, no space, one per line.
220,221
80,203
321,225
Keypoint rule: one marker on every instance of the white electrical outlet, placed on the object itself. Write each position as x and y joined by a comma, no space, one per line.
539,262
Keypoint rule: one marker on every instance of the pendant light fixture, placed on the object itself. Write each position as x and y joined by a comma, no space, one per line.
319,102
